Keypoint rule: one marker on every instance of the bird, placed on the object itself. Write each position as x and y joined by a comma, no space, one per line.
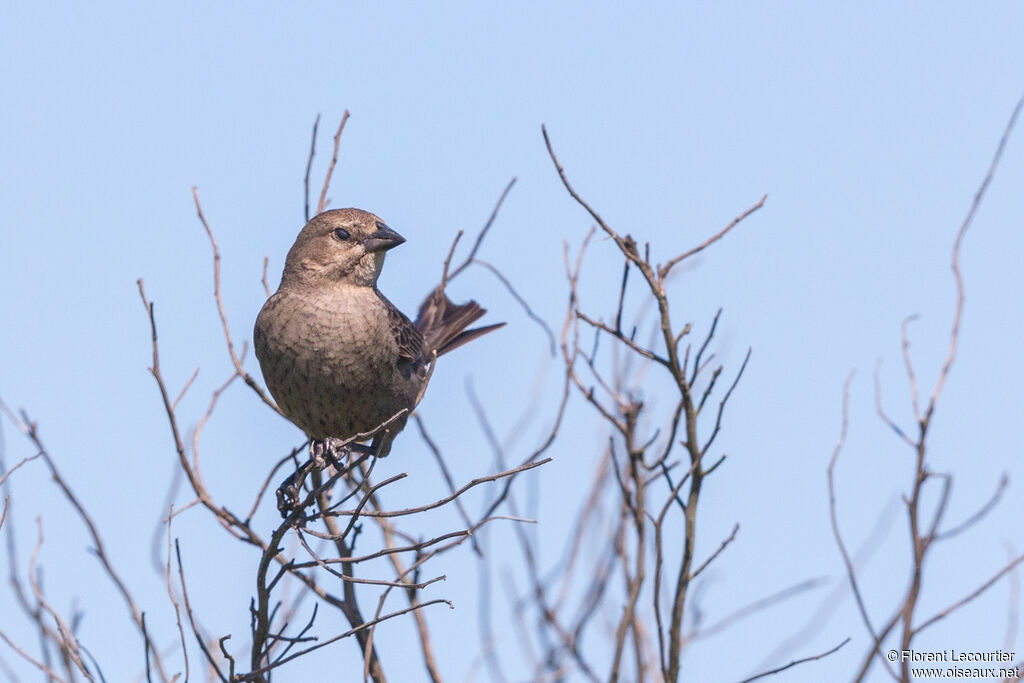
338,357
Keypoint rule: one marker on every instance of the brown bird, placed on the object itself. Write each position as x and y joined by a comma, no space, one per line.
337,356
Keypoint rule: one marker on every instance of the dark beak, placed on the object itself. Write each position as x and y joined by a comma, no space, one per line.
385,238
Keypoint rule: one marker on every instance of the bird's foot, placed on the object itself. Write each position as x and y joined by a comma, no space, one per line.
330,451
322,454
289,490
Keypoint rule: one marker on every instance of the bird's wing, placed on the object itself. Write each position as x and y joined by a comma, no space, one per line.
407,337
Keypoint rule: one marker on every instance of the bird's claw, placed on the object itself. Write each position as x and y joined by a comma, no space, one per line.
288,491
321,455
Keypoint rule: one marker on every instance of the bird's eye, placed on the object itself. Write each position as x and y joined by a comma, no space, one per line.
341,234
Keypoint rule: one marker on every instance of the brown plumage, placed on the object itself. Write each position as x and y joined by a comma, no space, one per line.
338,357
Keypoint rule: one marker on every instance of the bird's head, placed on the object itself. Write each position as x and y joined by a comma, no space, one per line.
341,245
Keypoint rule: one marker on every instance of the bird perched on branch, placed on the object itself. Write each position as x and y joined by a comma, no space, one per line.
337,356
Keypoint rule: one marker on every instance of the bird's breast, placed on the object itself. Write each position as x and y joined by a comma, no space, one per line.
330,360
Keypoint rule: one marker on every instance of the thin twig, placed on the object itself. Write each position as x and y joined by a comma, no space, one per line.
449,498
664,270
322,204
722,546
522,302
971,596
170,593
191,617
263,278
305,181
978,196
446,474
235,360
30,429
1004,482
32,660
881,411
257,673
17,465
759,605
68,643
796,662
834,514
483,232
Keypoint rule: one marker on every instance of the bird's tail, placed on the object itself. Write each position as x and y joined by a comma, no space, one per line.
443,324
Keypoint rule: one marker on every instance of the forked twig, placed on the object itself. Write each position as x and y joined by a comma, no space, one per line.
322,204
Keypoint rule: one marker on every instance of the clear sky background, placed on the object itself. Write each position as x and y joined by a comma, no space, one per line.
869,126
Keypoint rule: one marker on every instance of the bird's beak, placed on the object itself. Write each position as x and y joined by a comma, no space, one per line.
385,238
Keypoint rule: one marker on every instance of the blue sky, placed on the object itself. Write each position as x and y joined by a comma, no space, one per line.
868,126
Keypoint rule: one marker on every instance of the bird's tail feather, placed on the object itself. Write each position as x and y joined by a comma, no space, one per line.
443,324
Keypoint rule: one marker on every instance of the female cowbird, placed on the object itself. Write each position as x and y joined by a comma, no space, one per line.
337,356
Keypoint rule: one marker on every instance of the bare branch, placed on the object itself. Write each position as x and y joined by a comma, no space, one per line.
235,360
721,547
978,196
68,643
322,204
795,662
184,389
448,259
908,365
305,181
191,618
664,270
757,606
257,673
522,302
30,430
834,514
446,499
263,278
32,660
17,465
170,595
483,232
628,248
881,411
650,355
721,404
270,475
968,598
446,474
